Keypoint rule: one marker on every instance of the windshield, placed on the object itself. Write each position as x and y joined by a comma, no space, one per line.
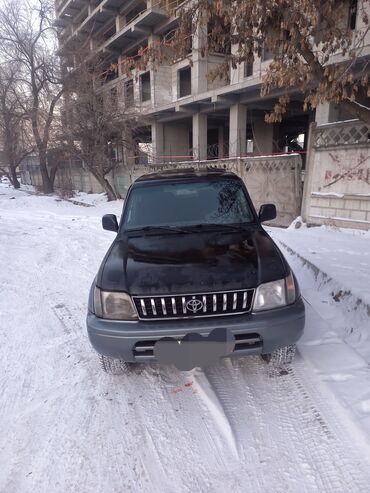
206,202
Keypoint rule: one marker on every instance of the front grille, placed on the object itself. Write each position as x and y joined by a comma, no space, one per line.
194,305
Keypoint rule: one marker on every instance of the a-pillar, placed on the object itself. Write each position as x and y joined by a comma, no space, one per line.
238,130
200,137
158,142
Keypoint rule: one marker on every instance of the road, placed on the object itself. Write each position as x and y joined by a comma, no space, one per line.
67,427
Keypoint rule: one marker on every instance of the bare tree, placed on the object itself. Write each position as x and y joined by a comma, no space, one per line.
98,127
28,40
319,47
15,128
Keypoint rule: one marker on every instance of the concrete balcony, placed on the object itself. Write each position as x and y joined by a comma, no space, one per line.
136,30
69,8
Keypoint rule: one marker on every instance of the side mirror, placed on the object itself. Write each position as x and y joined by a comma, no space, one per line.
110,222
267,212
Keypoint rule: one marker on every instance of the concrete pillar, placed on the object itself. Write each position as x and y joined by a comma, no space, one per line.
199,82
120,22
238,130
263,137
326,113
158,142
221,142
200,137
120,65
234,72
154,86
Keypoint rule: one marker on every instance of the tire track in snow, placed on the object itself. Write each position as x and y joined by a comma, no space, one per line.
178,429
213,404
303,434
338,453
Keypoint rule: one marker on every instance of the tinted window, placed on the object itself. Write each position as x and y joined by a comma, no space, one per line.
184,204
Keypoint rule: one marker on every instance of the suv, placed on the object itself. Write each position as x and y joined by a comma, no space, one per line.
191,264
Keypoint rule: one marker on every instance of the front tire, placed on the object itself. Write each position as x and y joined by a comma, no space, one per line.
281,356
113,366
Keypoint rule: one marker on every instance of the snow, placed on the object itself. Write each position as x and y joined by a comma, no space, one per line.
89,198
333,268
339,195
343,256
328,194
67,427
339,218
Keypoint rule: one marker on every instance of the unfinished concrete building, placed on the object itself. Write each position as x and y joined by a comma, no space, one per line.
193,119
190,116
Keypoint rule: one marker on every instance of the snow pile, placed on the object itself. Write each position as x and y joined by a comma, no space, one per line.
89,198
344,255
297,223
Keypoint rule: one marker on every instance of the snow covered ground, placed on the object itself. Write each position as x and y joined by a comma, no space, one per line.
67,427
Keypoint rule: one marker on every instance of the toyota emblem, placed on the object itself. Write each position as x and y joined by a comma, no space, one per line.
194,306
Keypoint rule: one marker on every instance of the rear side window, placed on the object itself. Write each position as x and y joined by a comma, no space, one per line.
189,203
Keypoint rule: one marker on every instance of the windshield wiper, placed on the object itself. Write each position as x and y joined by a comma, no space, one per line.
219,227
150,229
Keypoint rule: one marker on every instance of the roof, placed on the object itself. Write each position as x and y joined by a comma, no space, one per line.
185,173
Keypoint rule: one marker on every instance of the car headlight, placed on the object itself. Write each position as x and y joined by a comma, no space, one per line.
113,305
274,294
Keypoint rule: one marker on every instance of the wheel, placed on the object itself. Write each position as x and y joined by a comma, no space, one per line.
113,366
281,356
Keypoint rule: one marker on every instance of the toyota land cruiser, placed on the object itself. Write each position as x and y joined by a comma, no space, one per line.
191,264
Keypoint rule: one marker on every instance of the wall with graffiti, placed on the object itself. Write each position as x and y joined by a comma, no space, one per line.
337,187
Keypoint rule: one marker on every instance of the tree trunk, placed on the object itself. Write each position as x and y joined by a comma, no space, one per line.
13,177
111,194
357,110
116,192
109,190
53,173
47,184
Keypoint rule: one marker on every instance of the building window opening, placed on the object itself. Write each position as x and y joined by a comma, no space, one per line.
145,87
352,14
135,12
268,53
128,93
218,36
109,73
109,32
248,68
184,81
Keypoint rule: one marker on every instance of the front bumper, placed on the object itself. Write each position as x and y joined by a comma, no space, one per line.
275,328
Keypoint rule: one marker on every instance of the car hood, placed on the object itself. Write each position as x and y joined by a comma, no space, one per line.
191,263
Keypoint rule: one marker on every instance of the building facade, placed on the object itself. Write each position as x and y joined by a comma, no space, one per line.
190,118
